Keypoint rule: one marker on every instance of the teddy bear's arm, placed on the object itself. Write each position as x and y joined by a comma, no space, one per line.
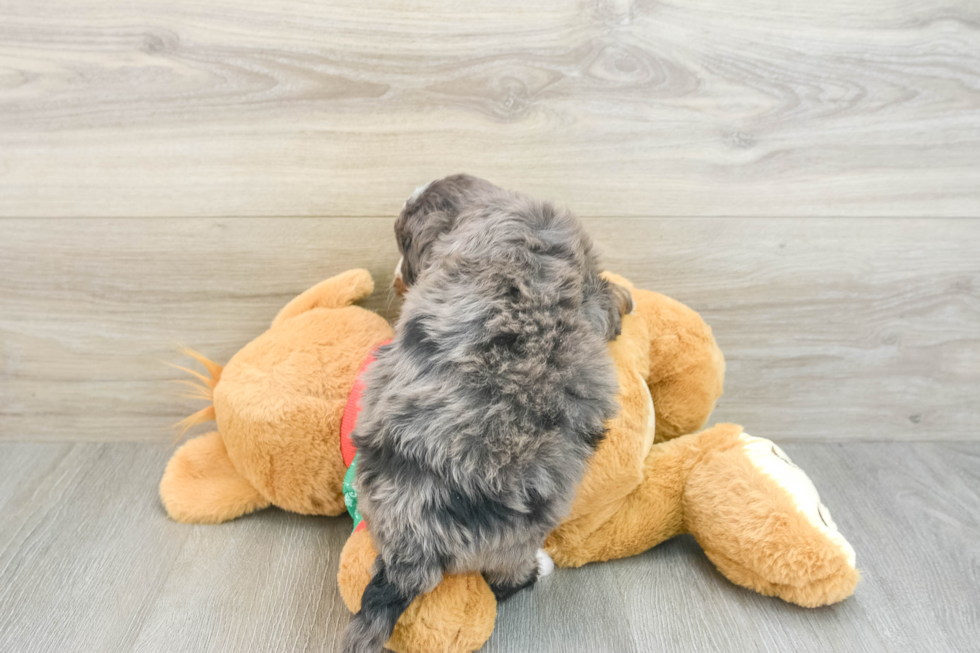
616,468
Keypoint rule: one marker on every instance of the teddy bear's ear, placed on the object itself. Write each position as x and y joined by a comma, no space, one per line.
335,292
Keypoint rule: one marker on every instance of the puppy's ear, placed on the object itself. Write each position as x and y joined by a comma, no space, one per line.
419,255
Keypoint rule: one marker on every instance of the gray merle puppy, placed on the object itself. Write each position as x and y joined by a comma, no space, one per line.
478,418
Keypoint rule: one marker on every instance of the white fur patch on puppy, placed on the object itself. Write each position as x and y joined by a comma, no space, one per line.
415,194
545,564
398,268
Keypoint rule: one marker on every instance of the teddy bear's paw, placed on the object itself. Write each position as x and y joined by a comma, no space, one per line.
545,564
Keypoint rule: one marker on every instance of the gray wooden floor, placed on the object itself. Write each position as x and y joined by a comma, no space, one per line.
90,562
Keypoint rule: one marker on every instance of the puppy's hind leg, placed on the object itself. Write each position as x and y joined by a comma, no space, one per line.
386,597
507,581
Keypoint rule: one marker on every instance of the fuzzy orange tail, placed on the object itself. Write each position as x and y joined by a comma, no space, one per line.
203,388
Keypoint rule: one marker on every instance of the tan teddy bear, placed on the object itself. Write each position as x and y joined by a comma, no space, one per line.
279,405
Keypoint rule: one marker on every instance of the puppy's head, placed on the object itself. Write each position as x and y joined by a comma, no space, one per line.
430,212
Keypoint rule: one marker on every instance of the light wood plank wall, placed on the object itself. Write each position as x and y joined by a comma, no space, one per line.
833,329
806,175
617,107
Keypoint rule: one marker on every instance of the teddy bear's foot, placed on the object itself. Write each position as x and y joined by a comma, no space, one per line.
760,520
456,617
201,486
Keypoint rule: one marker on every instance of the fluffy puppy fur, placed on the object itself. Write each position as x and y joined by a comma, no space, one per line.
478,418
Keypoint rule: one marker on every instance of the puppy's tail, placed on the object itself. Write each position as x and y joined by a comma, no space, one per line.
381,605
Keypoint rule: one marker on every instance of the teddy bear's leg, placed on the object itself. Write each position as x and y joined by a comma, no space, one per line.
201,486
616,469
759,518
651,513
336,292
456,617
687,369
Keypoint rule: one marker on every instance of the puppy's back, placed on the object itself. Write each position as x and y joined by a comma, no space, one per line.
480,415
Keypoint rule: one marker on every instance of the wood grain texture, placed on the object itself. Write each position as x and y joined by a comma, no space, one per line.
90,562
617,107
833,330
